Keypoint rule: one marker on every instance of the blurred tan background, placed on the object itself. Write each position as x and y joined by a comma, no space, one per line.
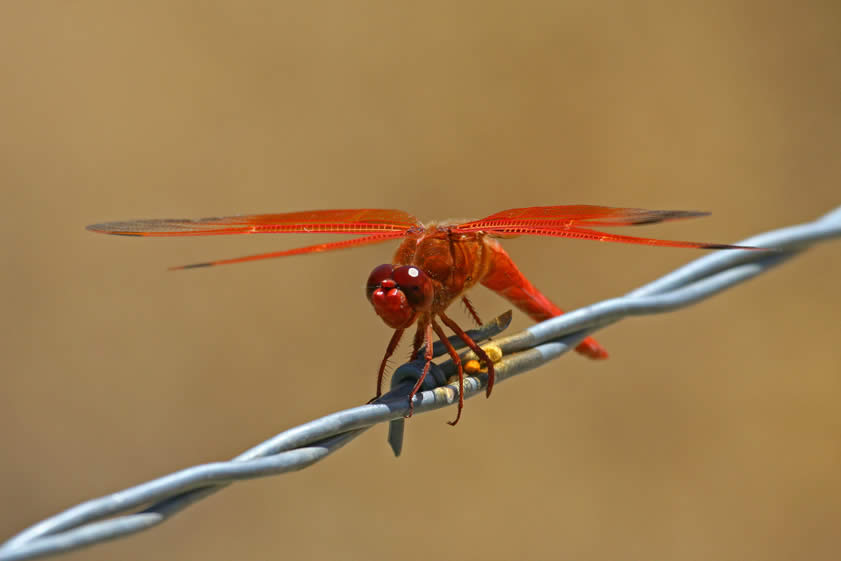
712,433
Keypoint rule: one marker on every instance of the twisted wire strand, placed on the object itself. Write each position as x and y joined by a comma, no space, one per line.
148,504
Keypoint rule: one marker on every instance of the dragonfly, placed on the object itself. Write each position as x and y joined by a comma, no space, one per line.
434,265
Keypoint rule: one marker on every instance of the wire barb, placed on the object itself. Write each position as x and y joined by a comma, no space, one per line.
148,504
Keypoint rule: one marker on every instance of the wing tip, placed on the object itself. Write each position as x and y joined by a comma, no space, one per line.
192,266
110,228
670,215
98,228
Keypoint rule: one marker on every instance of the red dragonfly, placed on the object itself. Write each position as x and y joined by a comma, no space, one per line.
434,265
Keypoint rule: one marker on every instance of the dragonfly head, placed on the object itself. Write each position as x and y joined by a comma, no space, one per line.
399,293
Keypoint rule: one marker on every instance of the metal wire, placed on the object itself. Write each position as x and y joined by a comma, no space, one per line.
148,504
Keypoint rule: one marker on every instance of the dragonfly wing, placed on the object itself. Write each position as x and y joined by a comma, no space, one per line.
355,242
592,215
595,235
575,222
348,221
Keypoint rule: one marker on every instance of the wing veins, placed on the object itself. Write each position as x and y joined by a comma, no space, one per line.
349,221
318,248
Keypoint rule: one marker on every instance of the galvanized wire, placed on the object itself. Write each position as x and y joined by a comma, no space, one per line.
148,504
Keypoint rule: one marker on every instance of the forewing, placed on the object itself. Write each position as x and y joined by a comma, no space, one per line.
575,221
569,215
347,221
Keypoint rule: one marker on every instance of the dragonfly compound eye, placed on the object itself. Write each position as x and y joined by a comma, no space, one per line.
416,285
376,278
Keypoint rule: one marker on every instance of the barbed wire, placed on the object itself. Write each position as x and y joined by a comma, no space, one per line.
148,504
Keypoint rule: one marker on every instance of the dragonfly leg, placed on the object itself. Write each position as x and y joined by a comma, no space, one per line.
392,345
416,343
427,331
483,356
471,310
450,349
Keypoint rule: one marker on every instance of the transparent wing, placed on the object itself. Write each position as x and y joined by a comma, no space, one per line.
348,221
574,221
381,225
368,240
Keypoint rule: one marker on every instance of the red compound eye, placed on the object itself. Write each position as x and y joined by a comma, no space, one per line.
415,285
376,278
